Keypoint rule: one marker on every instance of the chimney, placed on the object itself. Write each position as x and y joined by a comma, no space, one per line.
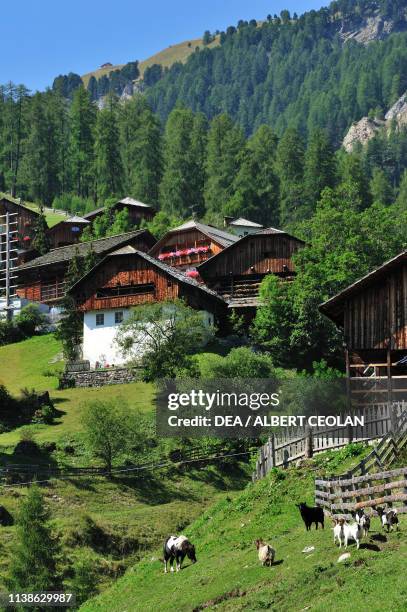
227,221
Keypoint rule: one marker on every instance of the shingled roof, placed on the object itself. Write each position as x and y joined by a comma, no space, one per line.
101,246
173,272
127,201
222,238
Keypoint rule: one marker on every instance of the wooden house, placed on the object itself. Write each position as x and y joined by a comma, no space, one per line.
137,211
43,279
68,231
237,271
124,279
188,245
26,222
372,315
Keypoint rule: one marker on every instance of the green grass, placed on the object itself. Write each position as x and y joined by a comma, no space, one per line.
25,364
140,508
228,575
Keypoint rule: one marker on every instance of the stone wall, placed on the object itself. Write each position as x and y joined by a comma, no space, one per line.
99,378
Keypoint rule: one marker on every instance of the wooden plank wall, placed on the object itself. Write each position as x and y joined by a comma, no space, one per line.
259,254
62,234
126,270
377,313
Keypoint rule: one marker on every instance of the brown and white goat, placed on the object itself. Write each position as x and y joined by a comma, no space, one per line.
266,553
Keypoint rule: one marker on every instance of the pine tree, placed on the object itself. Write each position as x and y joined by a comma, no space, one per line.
82,120
225,143
108,161
33,565
142,154
41,241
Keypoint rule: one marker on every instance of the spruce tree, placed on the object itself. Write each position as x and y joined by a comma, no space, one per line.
290,170
69,329
178,188
380,188
33,565
256,188
108,161
141,146
41,241
319,168
81,153
225,143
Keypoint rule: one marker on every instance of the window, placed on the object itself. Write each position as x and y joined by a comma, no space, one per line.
100,319
118,316
125,290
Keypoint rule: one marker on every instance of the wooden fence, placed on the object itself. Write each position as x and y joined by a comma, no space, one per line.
281,449
360,487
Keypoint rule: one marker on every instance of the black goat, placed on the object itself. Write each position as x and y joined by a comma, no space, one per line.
311,515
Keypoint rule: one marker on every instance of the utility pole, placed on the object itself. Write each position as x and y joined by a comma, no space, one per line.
8,236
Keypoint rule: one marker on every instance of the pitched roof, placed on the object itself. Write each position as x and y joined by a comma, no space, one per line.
246,222
17,202
333,307
101,246
74,219
239,241
128,201
173,272
219,236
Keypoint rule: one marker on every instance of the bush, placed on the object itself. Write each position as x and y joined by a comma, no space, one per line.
239,363
30,320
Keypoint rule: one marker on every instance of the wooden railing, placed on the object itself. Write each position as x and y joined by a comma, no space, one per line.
292,444
363,486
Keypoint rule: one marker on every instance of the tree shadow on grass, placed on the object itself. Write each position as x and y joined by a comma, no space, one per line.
150,489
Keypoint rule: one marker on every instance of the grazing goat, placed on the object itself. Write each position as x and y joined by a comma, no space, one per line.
311,515
352,531
177,548
388,519
344,531
338,531
266,553
362,519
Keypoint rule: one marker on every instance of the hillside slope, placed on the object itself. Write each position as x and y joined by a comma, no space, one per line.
178,52
228,575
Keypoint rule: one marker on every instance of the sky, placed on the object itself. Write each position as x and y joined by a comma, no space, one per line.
44,38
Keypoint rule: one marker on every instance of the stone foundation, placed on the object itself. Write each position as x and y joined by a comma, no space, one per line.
99,378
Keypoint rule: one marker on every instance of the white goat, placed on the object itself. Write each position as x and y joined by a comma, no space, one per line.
344,531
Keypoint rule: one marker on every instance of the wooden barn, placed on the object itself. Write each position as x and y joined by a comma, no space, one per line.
188,245
26,222
137,211
43,279
66,232
237,271
124,279
372,314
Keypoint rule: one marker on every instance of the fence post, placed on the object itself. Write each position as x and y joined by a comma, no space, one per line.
272,450
262,463
308,442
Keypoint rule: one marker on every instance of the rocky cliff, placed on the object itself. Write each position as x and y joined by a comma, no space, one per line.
362,131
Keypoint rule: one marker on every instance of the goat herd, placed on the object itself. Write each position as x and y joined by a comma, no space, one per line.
176,548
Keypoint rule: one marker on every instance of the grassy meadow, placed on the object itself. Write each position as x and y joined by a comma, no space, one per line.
228,575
